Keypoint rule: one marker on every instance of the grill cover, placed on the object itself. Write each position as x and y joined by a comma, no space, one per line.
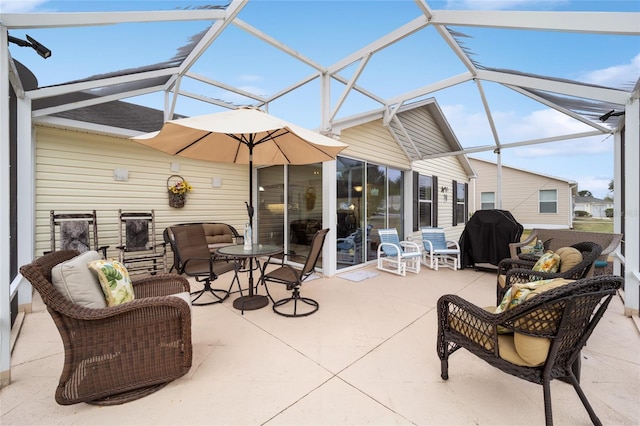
486,237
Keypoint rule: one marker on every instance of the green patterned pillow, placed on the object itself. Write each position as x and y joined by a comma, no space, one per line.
518,293
548,262
114,280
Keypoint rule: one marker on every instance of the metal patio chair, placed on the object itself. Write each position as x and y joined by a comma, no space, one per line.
438,251
293,278
397,256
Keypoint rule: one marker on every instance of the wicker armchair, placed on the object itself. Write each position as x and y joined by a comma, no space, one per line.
120,353
567,315
511,271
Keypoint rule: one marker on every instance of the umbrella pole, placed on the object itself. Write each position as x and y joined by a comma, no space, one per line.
251,301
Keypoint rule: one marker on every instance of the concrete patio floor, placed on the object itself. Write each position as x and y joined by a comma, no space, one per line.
368,356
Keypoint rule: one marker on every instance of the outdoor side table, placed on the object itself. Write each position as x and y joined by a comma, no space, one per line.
252,301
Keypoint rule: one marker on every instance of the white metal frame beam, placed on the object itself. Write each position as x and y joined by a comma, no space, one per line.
485,148
571,89
89,19
63,89
617,23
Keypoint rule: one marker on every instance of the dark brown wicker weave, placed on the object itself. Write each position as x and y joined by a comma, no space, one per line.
120,353
567,315
519,271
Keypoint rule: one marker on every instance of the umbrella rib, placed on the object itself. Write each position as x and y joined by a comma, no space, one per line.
312,145
192,143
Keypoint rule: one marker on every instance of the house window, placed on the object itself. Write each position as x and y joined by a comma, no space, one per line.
460,201
548,201
487,200
425,201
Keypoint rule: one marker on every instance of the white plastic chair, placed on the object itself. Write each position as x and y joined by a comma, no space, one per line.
438,251
397,256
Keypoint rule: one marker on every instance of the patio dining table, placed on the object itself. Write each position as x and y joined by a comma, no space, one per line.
251,301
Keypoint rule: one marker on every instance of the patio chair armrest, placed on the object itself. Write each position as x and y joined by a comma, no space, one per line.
451,243
159,285
507,264
473,323
409,246
615,242
133,308
382,245
513,247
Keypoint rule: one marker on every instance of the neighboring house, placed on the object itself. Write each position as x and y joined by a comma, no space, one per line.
594,206
534,199
90,144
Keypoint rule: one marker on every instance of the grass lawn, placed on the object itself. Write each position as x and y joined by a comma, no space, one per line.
584,224
593,225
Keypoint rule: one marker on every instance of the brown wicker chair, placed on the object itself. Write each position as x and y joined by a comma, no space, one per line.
566,315
121,353
511,271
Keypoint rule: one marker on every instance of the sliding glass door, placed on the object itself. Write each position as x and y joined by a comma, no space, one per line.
290,206
369,197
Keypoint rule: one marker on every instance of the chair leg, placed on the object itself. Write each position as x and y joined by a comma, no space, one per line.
295,298
444,369
213,291
546,390
592,414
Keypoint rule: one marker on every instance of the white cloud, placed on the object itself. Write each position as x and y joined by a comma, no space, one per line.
598,185
616,75
19,6
472,130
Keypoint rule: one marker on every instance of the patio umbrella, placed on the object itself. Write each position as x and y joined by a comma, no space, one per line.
245,136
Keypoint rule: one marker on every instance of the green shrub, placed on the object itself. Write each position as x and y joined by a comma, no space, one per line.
608,212
581,213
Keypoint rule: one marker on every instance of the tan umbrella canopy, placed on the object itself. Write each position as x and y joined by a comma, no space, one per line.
243,136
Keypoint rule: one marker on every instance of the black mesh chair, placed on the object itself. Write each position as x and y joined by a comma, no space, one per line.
293,278
562,318
195,260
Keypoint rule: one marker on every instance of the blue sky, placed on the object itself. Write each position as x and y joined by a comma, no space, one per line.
327,31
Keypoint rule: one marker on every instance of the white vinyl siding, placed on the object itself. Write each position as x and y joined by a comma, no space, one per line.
373,143
74,173
520,194
425,134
